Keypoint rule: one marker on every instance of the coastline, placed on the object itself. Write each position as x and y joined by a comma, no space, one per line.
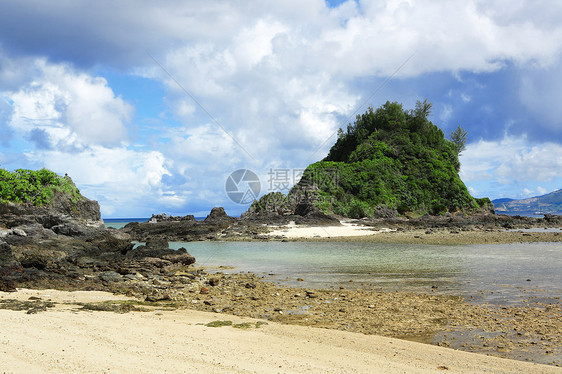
160,340
438,236
161,280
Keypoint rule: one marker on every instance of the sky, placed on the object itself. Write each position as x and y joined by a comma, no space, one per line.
150,106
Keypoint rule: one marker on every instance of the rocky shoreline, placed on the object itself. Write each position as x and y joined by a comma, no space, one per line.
70,249
446,229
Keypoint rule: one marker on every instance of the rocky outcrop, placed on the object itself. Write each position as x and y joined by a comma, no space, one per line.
165,218
44,245
158,248
218,214
299,206
78,207
182,230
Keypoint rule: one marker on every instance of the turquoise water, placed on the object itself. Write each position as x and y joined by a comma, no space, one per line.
118,223
500,273
496,273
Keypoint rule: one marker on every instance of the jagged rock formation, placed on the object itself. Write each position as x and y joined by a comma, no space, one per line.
165,218
182,229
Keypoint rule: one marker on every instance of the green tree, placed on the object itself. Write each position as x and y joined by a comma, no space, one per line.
458,137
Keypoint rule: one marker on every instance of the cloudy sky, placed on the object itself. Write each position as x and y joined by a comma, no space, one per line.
149,106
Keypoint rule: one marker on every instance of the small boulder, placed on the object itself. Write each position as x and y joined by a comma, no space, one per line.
111,277
19,232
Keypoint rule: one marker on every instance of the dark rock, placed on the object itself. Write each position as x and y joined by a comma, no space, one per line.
165,218
69,229
111,276
553,218
158,248
182,259
82,208
7,258
184,231
214,282
218,214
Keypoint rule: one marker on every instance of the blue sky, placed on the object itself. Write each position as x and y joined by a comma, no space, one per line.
104,91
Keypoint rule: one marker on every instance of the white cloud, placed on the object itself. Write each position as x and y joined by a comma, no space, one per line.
511,160
511,167
542,190
279,76
123,181
285,84
528,192
74,109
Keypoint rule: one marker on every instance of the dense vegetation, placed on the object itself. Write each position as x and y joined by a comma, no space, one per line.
36,187
391,158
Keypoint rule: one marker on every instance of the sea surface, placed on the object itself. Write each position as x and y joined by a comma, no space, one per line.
506,274
118,223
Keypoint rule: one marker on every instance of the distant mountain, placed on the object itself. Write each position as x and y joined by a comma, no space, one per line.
502,201
549,203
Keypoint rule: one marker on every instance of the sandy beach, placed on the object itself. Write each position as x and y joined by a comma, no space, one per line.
64,339
441,236
347,229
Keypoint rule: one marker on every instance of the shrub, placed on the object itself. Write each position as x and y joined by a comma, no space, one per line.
34,187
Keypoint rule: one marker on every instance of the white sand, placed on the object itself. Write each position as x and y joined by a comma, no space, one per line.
66,341
304,231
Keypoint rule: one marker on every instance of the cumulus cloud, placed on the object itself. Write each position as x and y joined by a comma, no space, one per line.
498,166
70,110
290,86
278,78
512,160
119,178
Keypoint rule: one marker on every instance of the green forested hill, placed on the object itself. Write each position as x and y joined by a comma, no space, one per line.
36,187
391,158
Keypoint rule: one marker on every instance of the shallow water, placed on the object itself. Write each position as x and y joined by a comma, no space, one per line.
500,273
